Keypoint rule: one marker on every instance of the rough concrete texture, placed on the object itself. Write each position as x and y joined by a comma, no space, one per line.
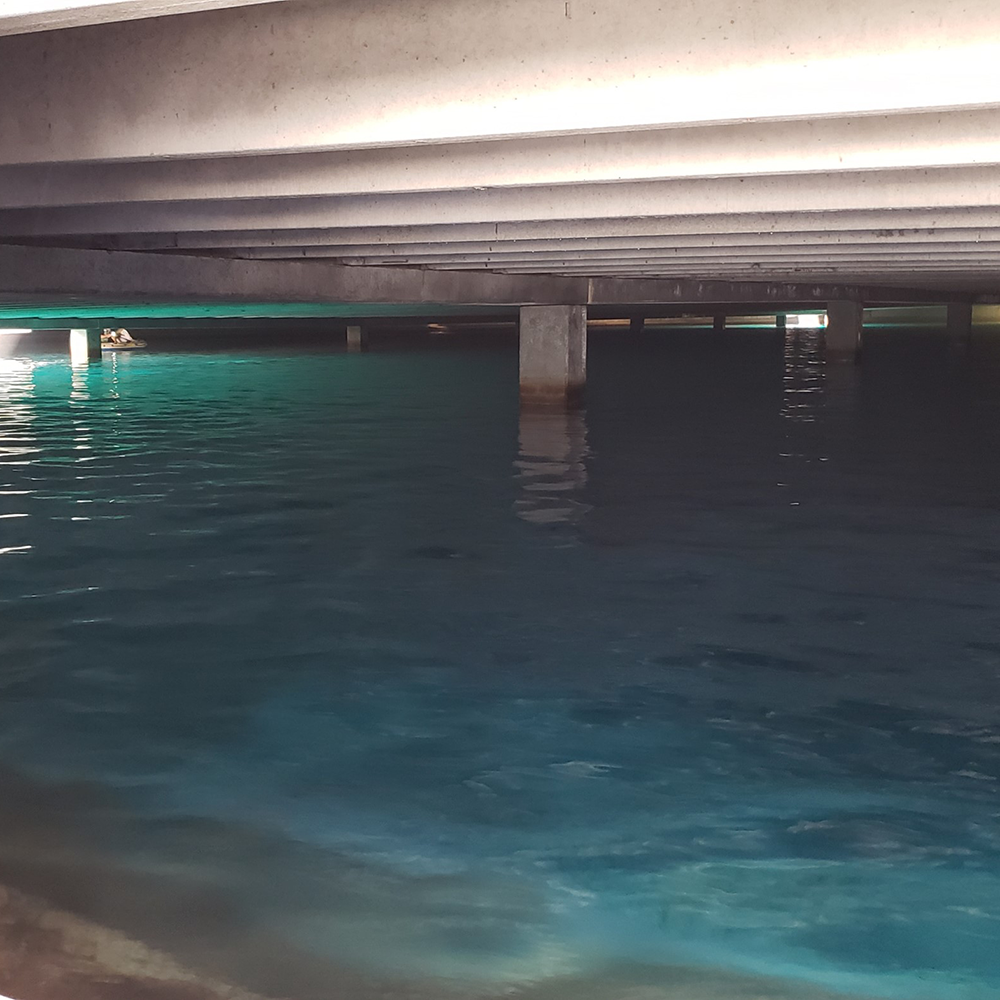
959,323
553,353
240,127
845,320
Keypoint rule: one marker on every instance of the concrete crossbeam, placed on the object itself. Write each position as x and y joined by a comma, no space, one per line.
38,274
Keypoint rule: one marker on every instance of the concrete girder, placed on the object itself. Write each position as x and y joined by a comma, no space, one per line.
20,16
883,224
878,142
267,78
964,187
723,270
765,256
818,243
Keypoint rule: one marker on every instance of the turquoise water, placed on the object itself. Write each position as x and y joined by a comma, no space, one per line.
345,651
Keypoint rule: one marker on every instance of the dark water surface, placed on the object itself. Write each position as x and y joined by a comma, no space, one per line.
331,675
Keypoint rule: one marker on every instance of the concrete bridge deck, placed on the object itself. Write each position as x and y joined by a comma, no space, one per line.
377,154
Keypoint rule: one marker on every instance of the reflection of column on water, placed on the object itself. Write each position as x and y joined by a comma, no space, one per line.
550,467
803,378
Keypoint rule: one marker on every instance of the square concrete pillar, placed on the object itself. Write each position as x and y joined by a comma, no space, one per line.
84,346
553,354
637,324
719,322
844,322
356,339
780,322
959,320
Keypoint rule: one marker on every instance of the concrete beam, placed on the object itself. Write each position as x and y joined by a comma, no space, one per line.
966,187
34,273
834,145
30,276
266,78
609,291
761,257
20,16
805,225
716,246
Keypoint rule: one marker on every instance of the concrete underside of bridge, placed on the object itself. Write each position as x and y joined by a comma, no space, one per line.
378,157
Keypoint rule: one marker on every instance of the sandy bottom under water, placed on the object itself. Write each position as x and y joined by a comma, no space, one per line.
66,899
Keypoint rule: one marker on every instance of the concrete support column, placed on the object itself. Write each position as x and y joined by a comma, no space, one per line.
84,346
959,320
553,354
844,322
780,322
719,322
357,340
637,324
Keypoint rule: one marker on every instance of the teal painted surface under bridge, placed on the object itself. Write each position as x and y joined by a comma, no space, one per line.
145,314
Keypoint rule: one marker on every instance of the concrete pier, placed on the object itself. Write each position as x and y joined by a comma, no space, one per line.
780,322
844,323
719,322
637,324
553,349
84,346
357,339
959,324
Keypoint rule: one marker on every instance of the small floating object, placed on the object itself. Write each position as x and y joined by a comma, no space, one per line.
119,340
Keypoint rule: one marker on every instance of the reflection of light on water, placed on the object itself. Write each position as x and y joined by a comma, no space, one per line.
801,397
17,388
803,377
550,466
